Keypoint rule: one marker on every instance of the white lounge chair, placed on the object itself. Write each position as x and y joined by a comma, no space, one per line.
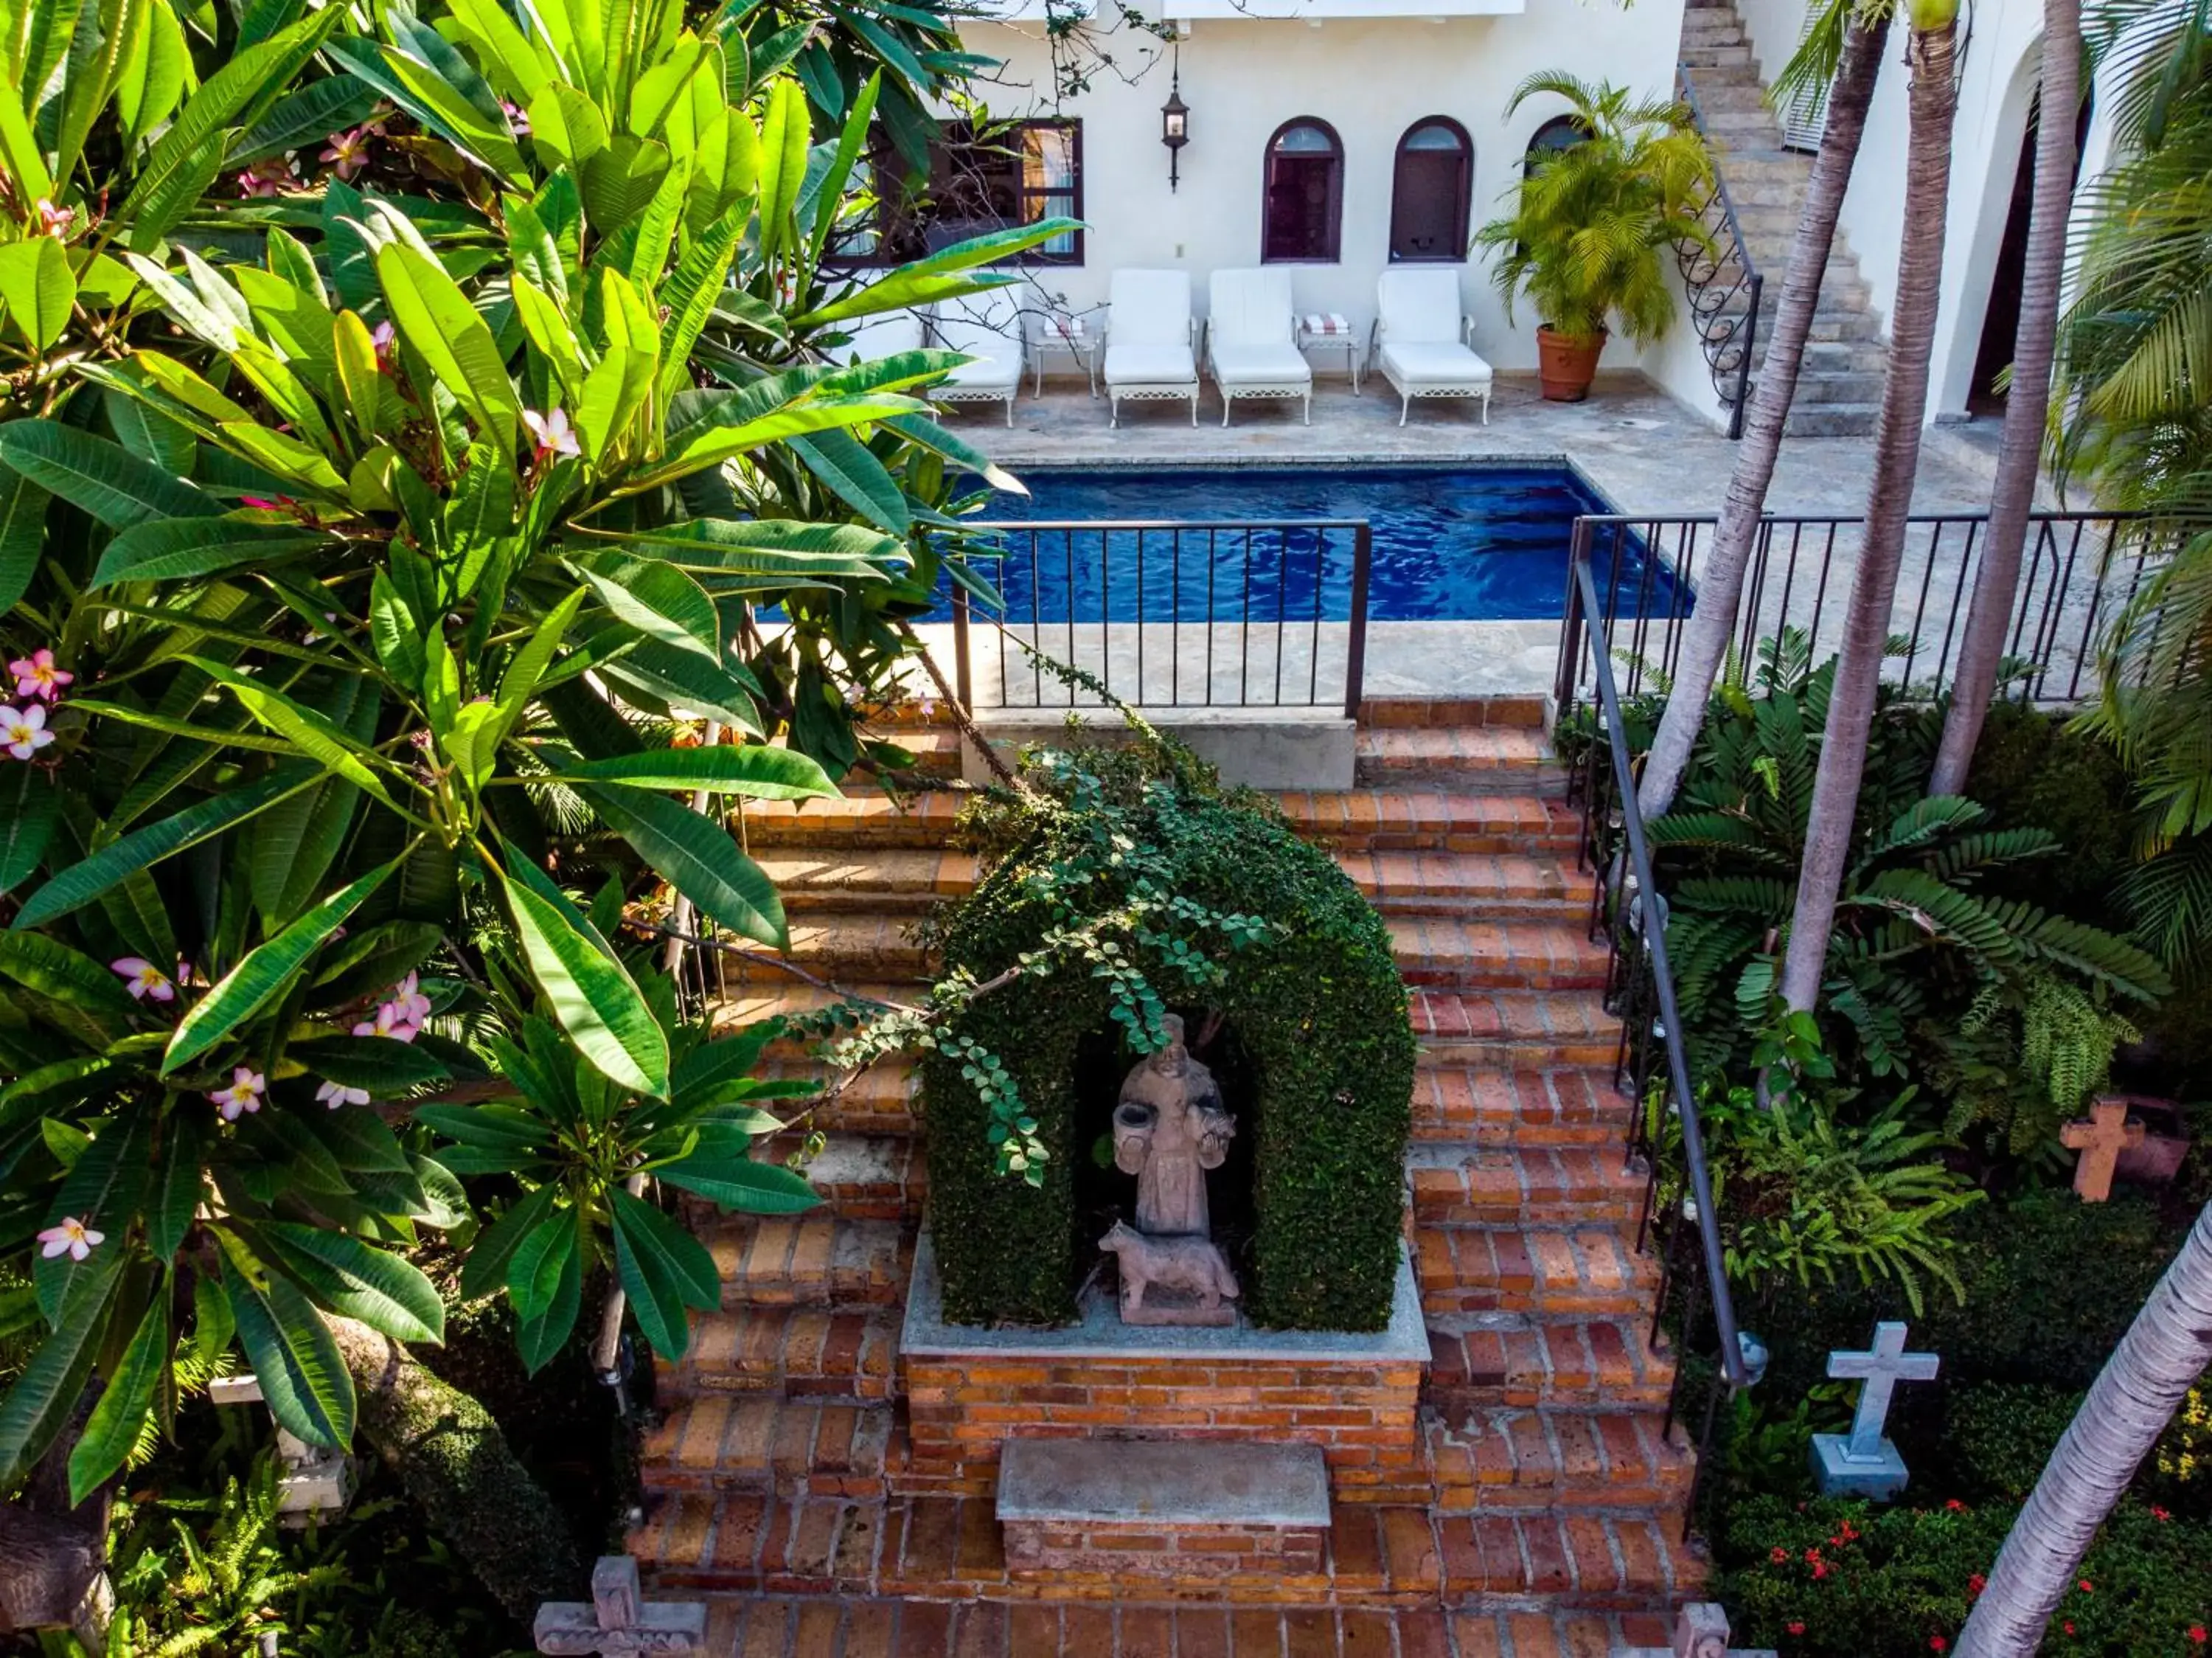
1251,339
883,336
1148,340
987,327
1420,339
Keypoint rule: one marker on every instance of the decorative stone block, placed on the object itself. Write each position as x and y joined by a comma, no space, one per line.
1163,1508
619,1620
1701,1630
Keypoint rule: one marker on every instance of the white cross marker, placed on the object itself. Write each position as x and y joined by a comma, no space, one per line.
1881,1369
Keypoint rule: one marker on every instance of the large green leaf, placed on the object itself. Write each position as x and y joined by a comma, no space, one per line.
315,734
774,547
700,858
44,1395
22,534
104,1190
109,481
857,477
108,868
37,288
265,973
386,1069
591,993
303,118
183,549
64,975
439,323
685,679
356,1280
303,1376
177,1182
751,1187
709,446
658,600
484,1271
111,1433
757,771
662,1269
29,804
545,1281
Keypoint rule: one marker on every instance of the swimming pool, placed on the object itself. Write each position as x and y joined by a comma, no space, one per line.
1461,544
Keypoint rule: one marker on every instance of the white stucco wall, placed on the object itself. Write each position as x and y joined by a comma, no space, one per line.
1371,79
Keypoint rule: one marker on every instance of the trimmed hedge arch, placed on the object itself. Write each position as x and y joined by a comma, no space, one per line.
1322,1012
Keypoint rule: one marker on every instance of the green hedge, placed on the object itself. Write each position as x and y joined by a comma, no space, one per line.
1320,1013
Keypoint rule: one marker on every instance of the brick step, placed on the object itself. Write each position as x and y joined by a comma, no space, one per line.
1496,759
1514,1030
1577,1270
862,1177
935,748
1449,950
1463,1186
793,1352
858,817
878,1100
1502,1459
724,1442
1528,1360
904,879
817,1259
1465,1103
880,1626
1608,1562
1521,710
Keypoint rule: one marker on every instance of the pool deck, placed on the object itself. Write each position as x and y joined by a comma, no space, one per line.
1643,451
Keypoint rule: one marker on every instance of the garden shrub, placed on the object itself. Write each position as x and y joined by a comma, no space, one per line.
1313,996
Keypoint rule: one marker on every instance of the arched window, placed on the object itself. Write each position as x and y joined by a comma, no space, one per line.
1560,132
1304,192
1429,189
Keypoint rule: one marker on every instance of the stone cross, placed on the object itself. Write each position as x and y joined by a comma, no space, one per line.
311,1480
2099,1139
1864,1463
1701,1630
619,1621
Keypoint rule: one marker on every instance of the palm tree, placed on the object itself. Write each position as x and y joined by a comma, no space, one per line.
2150,1372
1934,101
2020,449
1845,47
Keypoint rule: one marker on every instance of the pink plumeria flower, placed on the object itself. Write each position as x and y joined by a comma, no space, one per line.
348,152
553,434
516,118
37,676
335,1095
243,1095
23,730
56,221
413,1006
385,339
143,980
389,1021
72,1238
270,176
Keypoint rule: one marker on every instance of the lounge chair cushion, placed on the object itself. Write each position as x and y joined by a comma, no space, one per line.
1000,369
1151,307
1279,364
1427,363
1129,364
1420,307
1249,308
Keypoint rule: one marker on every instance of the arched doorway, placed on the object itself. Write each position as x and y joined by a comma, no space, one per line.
2001,319
1431,186
1303,203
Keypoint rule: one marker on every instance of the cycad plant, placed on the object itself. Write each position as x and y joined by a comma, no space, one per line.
1592,229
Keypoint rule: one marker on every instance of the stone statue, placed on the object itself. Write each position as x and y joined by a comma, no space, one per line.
1169,1129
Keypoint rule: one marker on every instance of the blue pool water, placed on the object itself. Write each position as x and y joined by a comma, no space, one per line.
1475,544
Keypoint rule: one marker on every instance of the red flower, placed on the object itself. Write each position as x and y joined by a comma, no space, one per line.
1778,1554
1812,1554
1851,1533
2087,1586
1797,1627
1977,1583
2197,1634
1937,1643
2159,1513
1820,1569
1955,1506
2068,1626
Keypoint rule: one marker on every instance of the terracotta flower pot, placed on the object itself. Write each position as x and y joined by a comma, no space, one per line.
1565,365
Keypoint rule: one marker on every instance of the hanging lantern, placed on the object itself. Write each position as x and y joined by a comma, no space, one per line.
1174,123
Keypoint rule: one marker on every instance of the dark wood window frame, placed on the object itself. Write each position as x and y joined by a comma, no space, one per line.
1332,249
1462,195
910,211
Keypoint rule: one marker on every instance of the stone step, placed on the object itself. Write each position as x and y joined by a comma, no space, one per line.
1575,1269
1714,58
1823,388
791,1352
1515,1030
861,1177
1593,1560
1461,1185
719,1442
1834,420
817,1259
1507,1460
1455,951
1532,1360
1493,760
1496,1107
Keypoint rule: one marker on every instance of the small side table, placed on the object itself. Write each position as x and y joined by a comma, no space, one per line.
1082,347
1308,338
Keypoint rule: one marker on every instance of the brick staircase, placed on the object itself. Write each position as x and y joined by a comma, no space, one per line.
1839,387
1554,1515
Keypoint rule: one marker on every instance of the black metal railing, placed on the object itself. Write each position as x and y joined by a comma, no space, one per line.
2078,572
1651,1063
1172,615
1722,283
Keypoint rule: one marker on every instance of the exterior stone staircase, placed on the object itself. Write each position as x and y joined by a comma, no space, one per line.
778,1472
1839,388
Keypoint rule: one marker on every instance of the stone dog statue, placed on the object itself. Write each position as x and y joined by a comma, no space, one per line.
1193,1264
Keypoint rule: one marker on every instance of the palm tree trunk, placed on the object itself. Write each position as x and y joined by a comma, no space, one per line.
2150,1372
1934,100
2020,449
1720,585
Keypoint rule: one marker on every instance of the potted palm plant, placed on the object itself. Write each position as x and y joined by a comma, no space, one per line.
1591,224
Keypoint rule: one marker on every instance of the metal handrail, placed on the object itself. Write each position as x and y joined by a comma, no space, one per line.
1729,354
1653,929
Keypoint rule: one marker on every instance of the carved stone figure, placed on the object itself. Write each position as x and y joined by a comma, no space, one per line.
1169,1129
